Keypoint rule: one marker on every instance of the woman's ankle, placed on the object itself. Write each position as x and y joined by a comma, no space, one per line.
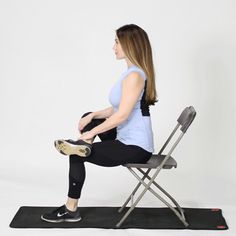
71,207
72,204
89,141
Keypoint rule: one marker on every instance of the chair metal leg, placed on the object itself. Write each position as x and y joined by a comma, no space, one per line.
167,194
180,214
134,191
147,187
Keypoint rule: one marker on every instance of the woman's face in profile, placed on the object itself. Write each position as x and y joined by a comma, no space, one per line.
118,49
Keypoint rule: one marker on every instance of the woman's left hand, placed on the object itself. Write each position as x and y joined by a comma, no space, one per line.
86,135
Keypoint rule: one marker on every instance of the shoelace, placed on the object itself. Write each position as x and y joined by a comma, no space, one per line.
59,209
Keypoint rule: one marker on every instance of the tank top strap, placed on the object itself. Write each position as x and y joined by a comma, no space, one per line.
143,104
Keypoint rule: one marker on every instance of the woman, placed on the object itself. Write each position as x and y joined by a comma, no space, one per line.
125,128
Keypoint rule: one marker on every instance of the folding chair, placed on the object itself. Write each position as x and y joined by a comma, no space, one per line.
157,162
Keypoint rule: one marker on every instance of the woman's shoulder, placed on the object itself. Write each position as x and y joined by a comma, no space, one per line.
135,69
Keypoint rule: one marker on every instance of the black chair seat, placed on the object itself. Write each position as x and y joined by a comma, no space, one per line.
154,162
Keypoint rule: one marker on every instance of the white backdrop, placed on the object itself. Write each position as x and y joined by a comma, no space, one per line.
57,63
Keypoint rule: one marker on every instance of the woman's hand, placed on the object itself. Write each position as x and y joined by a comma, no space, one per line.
87,136
84,121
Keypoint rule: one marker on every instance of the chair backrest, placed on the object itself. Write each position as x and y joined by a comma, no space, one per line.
185,119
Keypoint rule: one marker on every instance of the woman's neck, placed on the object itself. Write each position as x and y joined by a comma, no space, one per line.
129,63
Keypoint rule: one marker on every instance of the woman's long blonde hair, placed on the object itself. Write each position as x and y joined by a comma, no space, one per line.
136,46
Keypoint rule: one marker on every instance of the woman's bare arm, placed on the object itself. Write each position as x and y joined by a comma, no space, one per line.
105,113
135,83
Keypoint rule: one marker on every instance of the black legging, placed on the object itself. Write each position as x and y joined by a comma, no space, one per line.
109,152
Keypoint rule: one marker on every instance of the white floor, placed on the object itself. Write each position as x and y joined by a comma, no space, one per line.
34,191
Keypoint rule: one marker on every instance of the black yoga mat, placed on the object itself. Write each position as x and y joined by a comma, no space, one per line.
108,217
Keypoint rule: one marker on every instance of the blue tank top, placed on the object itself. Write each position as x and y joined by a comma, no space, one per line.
137,129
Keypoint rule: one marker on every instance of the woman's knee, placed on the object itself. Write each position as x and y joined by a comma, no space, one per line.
85,114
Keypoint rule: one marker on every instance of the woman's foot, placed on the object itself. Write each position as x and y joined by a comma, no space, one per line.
71,147
62,214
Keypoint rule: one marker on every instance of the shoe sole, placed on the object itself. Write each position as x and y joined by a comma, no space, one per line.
66,148
61,220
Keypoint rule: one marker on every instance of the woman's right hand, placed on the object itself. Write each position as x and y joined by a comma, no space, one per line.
84,121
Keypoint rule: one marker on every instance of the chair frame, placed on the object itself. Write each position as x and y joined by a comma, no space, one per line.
164,162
